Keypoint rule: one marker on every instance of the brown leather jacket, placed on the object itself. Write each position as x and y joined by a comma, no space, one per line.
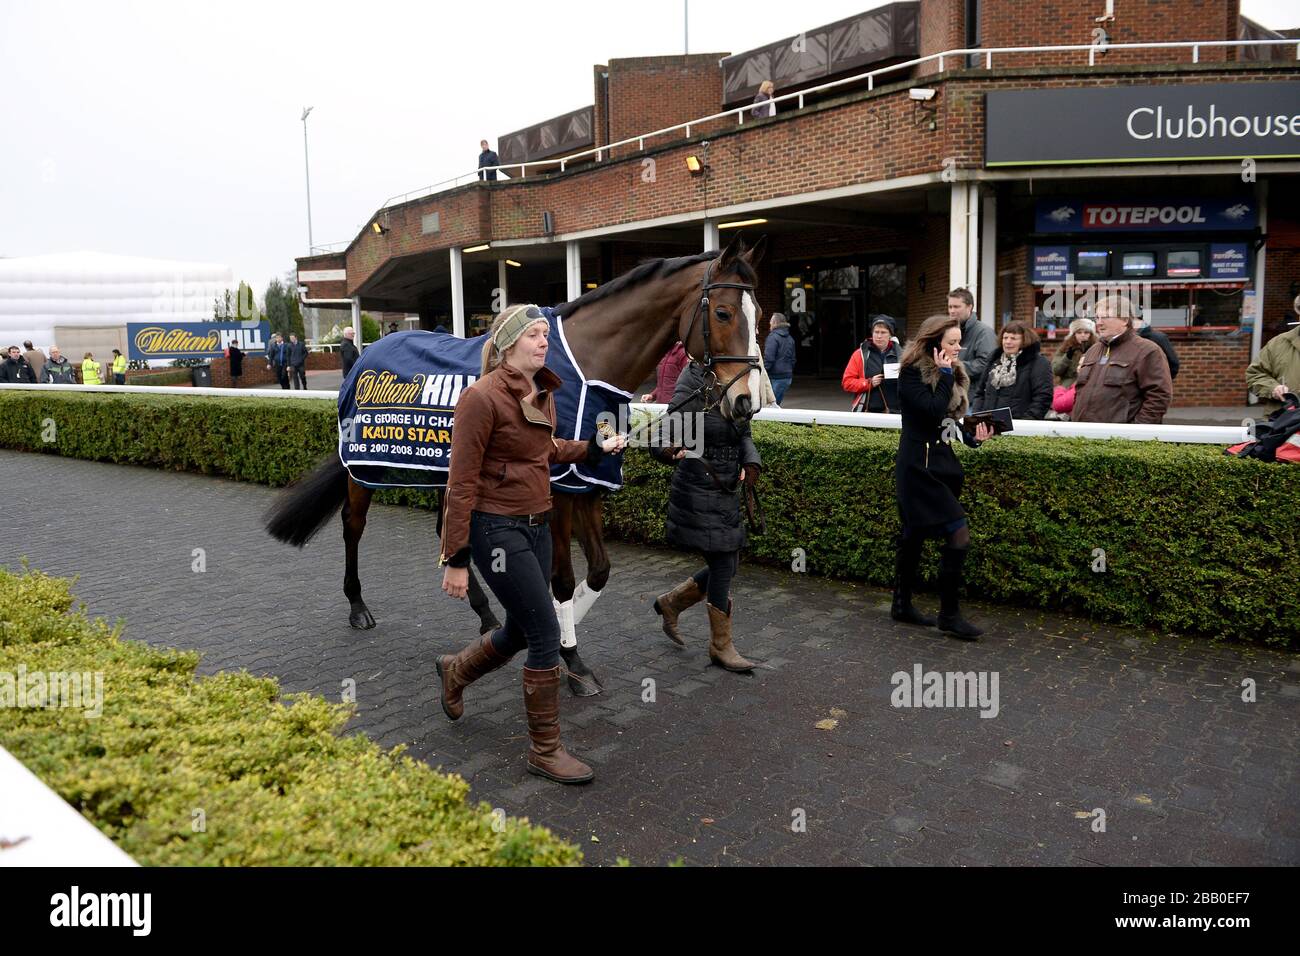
501,452
1132,386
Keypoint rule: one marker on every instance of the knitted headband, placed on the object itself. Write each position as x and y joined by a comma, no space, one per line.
514,322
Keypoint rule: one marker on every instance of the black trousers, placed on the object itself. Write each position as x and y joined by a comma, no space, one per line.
298,375
515,561
716,579
281,375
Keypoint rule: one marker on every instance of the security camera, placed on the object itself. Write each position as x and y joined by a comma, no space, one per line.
919,93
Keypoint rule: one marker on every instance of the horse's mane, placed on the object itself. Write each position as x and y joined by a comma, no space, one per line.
651,269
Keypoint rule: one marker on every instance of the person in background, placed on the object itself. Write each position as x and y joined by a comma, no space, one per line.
1144,329
348,350
488,157
297,362
15,369
1277,369
978,340
58,370
1065,366
1123,378
277,359
932,393
864,376
35,358
778,356
763,104
90,370
1019,376
666,375
119,367
236,356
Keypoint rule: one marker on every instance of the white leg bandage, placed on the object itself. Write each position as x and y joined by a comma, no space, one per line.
583,598
564,614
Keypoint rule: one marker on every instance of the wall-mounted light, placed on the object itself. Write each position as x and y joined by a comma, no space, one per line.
477,248
741,222
591,285
378,228
511,262
694,165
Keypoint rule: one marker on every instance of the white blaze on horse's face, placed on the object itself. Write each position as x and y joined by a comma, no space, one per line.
754,379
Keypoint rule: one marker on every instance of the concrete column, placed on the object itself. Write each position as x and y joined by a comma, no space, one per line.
457,293
503,283
711,238
988,306
1257,331
356,321
573,268
959,237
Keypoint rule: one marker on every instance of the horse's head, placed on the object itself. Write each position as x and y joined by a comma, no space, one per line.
719,326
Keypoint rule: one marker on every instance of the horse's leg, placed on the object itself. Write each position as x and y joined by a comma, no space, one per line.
589,524
478,600
582,682
354,523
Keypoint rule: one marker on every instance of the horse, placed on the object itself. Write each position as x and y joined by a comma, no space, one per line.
617,332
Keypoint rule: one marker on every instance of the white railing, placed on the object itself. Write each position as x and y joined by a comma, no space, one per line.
596,153
1181,434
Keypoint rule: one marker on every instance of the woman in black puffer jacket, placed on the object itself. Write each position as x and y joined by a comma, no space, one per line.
704,515
1019,376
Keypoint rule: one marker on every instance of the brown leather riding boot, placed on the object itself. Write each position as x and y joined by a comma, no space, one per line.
721,651
669,605
458,671
546,755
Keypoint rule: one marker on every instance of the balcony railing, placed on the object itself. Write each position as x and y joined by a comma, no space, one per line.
940,59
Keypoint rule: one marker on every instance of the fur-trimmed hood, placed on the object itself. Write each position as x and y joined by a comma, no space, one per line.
960,381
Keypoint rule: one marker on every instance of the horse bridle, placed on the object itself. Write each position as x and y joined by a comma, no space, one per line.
702,308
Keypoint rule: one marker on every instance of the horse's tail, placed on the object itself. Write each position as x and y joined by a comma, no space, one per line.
303,508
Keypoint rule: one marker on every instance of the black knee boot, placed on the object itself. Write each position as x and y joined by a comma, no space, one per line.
906,561
950,620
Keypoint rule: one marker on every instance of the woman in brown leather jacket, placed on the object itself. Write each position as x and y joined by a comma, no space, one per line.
498,498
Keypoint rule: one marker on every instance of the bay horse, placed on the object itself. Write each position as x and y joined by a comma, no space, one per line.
618,332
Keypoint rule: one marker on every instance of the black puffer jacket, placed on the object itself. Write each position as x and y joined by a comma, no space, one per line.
1029,396
702,516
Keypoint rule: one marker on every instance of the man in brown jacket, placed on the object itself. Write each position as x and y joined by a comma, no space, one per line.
1123,378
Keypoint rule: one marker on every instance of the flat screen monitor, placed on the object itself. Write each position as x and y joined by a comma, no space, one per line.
1183,263
1138,264
1093,264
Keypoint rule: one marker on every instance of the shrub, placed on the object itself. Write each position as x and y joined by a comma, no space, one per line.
273,779
1193,540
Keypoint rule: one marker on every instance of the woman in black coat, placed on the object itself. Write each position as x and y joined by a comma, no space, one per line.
932,393
1019,376
704,515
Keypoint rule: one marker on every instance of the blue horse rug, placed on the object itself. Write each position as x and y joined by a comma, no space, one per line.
397,405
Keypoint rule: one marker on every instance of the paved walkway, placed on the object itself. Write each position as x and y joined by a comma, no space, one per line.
805,762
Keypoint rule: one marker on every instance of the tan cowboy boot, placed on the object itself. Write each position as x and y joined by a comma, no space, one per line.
546,755
458,671
721,651
669,605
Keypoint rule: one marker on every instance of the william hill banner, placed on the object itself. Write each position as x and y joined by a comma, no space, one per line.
188,340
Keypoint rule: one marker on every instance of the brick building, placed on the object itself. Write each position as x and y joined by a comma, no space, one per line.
913,153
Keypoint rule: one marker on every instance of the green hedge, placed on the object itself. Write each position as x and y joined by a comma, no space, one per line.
1194,541
275,782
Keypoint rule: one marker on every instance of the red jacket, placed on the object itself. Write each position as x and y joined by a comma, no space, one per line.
669,370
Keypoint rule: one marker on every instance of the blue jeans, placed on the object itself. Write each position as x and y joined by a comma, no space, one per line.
779,385
515,561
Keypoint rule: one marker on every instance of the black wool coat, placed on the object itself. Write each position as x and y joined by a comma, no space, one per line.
927,474
702,516
1029,396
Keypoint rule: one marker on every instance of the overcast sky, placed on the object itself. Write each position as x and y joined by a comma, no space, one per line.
172,129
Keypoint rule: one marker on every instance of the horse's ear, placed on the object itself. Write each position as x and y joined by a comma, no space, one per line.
755,255
729,254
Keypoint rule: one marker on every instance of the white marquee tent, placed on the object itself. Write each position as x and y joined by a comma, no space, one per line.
82,301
